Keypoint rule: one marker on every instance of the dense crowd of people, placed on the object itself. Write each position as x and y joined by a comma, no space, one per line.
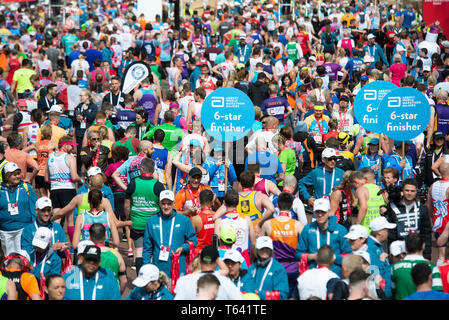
308,205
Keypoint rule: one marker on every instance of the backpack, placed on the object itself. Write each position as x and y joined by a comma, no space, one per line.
362,17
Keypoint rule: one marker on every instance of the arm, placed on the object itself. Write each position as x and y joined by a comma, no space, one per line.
362,196
116,177
115,241
77,232
252,239
123,280
268,214
335,199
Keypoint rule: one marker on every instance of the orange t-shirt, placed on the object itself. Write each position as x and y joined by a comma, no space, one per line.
186,198
22,159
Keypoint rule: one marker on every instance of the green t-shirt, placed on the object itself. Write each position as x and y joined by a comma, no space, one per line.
288,156
22,77
401,277
172,136
110,261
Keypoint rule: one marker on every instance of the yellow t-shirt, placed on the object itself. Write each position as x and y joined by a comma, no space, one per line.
22,78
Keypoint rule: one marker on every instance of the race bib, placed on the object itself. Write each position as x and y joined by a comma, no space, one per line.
13,209
221,185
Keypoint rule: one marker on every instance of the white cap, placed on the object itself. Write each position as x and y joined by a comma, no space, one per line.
42,238
10,167
93,171
357,231
22,253
371,36
55,108
312,58
364,254
426,68
167,194
321,204
83,244
264,242
328,153
147,273
397,247
381,223
233,255
43,202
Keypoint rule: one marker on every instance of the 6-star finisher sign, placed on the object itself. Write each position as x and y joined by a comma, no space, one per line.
227,114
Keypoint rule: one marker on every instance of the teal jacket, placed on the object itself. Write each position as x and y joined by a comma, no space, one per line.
315,179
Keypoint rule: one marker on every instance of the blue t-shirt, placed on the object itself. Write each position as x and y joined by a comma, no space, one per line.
409,17
428,295
276,107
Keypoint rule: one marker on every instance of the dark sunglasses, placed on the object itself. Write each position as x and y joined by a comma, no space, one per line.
332,159
94,139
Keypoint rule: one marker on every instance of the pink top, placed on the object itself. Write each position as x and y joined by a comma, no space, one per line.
111,169
397,73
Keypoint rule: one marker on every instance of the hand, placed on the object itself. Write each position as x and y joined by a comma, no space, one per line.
312,257
192,211
402,163
179,250
383,256
60,246
258,231
311,201
79,118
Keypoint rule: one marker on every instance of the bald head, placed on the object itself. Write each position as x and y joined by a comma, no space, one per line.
290,182
144,145
444,169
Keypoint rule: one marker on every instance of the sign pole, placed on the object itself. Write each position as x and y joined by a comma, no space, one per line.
380,160
403,158
226,167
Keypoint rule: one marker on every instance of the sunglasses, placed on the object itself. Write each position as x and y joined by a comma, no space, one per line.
94,139
332,159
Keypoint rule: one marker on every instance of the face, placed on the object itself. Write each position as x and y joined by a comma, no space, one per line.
389,179
205,71
356,244
56,289
321,216
195,181
409,191
54,91
318,113
166,207
150,149
89,266
83,97
234,267
152,286
439,142
330,162
44,214
382,235
373,148
94,140
358,182
115,85
14,178
264,253
139,119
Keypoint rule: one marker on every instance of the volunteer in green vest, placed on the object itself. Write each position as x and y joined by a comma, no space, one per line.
293,50
142,202
368,199
173,134
110,257
401,274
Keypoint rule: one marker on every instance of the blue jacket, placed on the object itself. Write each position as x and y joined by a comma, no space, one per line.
217,174
375,250
368,162
375,51
25,203
141,294
52,264
307,242
182,232
315,179
106,289
393,162
29,231
276,280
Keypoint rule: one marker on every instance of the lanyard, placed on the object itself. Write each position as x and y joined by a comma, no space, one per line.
265,274
244,53
318,240
48,104
374,51
195,200
94,294
171,231
342,119
17,195
118,98
319,126
43,261
324,183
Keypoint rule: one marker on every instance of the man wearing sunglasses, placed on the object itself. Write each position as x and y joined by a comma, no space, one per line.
322,179
94,154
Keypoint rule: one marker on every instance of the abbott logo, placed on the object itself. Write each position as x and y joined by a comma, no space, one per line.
394,102
370,95
218,102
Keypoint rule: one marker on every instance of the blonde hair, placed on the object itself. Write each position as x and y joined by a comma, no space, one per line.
46,132
164,279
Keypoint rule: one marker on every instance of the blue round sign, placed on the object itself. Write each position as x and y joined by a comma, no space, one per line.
404,114
366,103
227,114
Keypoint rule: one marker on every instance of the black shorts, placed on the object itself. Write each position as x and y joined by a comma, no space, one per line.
60,198
119,205
136,234
40,183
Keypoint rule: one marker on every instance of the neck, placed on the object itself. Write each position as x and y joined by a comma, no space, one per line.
408,202
41,222
323,226
356,294
424,287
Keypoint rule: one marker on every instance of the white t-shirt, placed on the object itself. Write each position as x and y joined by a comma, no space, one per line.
313,282
82,65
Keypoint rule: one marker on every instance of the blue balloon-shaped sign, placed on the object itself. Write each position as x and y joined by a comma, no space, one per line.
367,101
227,114
404,114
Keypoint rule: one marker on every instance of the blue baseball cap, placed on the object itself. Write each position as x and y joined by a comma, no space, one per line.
364,78
374,141
398,143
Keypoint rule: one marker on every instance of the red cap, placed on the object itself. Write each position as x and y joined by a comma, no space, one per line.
69,142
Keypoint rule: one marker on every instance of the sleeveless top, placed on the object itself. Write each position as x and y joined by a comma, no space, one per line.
285,242
3,293
60,177
26,121
241,243
440,205
144,203
42,154
204,236
32,137
261,186
247,207
128,144
373,204
89,219
148,102
160,157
